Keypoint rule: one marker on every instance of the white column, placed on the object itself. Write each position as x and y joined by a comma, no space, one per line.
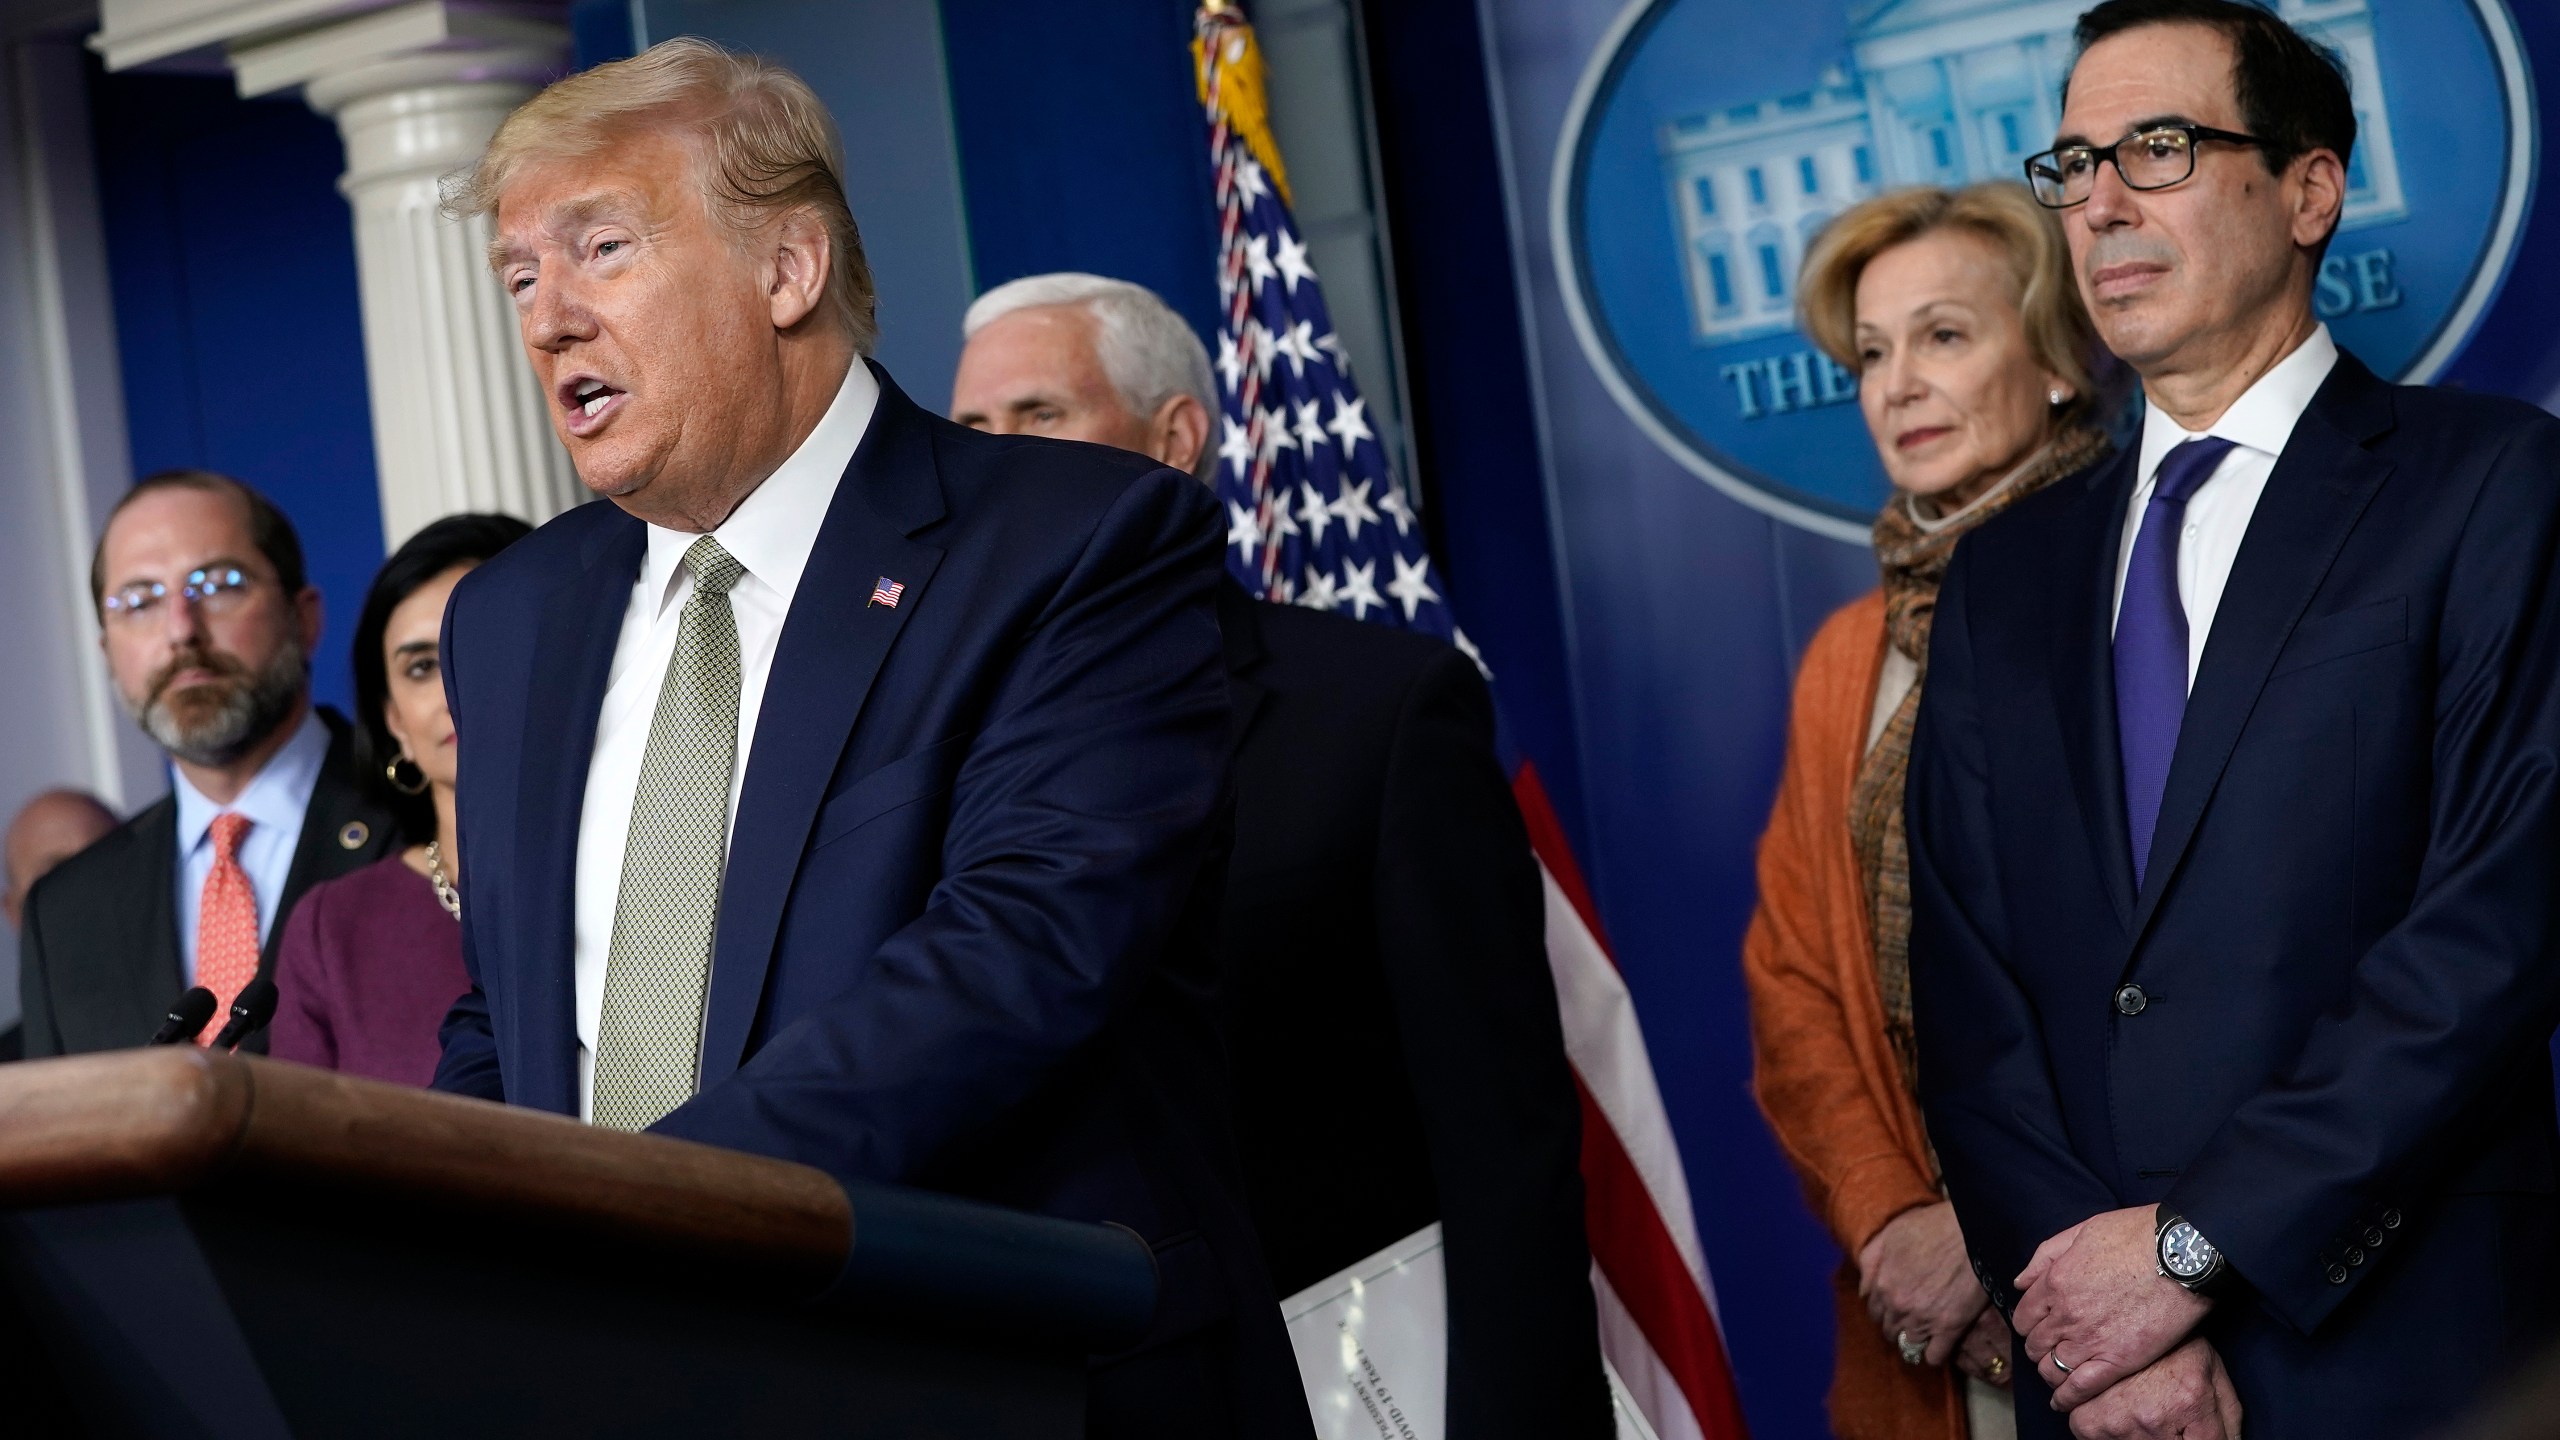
63,460
458,422
417,90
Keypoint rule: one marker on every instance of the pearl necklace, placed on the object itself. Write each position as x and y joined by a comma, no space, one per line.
446,895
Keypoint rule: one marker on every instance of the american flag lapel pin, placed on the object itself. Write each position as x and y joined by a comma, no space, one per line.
886,593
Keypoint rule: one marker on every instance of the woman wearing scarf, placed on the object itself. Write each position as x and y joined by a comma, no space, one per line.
1956,310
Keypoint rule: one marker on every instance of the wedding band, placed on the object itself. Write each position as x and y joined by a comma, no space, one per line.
2056,1358
1913,1351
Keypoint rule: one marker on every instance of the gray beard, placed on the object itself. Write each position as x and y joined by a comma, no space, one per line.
246,715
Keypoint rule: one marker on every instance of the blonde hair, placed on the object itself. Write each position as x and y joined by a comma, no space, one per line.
2057,326
766,147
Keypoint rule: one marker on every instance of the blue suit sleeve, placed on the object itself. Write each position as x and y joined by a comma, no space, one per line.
469,1064
2447,1000
1986,1084
1081,819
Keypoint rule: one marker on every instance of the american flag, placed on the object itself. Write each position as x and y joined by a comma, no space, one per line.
1314,515
887,592
1314,518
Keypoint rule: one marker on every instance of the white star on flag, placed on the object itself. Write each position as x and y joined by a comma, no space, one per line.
1393,507
1311,423
1348,422
1235,446
1353,509
1230,368
1243,529
1275,435
1297,343
1319,593
1410,587
1257,343
1360,589
1315,513
1292,260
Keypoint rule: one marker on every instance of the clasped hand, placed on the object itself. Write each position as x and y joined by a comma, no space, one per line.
2097,1313
1916,1282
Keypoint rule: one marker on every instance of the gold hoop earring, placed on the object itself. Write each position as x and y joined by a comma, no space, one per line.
391,772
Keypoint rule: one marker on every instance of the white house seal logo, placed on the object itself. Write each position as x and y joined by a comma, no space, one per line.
1710,140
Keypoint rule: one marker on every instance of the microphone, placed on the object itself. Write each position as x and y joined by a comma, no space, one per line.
187,1018
249,1014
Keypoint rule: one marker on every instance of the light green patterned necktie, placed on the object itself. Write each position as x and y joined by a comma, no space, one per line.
658,973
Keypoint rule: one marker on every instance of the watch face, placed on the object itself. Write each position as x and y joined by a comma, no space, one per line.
2184,1253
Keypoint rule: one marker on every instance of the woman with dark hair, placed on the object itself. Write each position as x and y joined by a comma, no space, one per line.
371,961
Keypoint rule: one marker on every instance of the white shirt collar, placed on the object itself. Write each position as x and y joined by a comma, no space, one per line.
275,798
2263,417
773,530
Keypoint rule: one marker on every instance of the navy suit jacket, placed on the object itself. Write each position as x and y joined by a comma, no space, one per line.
965,935
2319,1028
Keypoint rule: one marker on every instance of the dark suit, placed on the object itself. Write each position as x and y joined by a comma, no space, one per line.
1397,1054
964,938
98,956
2318,1029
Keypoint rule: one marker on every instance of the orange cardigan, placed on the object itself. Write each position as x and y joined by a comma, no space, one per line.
1822,1069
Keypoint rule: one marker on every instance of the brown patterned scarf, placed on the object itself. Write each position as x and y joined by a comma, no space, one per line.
1914,560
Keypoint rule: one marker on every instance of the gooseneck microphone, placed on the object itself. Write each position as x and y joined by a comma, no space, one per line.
187,1018
249,1014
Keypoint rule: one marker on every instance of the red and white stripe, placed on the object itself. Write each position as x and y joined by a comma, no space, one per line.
1659,1326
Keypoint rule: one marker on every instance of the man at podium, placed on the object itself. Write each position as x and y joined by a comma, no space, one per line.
849,788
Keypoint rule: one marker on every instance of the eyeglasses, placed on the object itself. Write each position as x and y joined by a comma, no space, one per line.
2152,159
216,590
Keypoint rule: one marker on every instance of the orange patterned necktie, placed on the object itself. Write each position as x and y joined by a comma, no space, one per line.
226,922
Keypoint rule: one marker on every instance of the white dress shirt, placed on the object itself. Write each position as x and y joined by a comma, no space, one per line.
770,533
2257,424
275,802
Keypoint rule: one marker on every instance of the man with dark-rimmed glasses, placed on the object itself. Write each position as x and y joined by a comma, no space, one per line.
208,623
2154,157
2234,803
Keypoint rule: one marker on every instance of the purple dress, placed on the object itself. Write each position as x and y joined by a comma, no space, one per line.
369,965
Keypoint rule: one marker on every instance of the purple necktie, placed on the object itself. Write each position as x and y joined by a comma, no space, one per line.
2151,643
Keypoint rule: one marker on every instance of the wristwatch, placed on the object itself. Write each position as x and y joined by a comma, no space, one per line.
2187,1257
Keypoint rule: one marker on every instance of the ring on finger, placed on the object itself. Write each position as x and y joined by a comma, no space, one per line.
1913,1351
2056,1357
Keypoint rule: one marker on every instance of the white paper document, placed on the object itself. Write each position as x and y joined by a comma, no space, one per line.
1373,1348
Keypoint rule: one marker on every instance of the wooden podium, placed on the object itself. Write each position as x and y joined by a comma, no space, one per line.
217,1246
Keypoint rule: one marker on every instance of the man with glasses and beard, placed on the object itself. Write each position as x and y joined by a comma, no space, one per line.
208,624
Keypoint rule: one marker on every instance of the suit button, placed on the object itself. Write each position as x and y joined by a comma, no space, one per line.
2390,1219
2355,1254
2337,1274
2373,1235
2131,1001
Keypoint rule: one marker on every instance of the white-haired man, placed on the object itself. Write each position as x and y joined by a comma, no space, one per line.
1381,908
1082,357
848,789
